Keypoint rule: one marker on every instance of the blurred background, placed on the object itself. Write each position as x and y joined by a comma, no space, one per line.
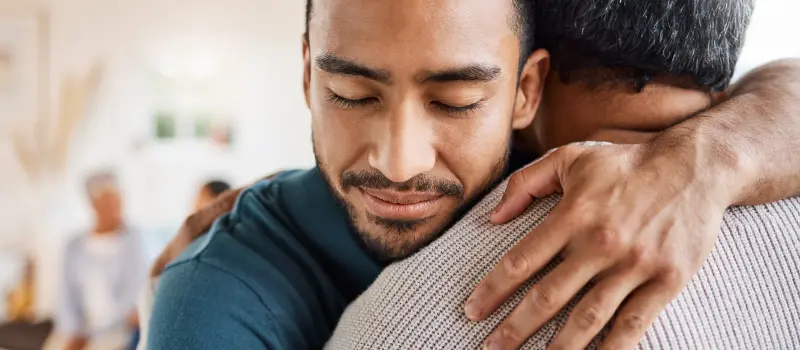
164,95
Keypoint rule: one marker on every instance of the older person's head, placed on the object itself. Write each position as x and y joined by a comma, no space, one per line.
413,103
623,70
103,192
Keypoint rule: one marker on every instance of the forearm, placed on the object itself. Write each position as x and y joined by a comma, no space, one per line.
749,146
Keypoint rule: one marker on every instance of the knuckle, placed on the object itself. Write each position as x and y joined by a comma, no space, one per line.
588,318
609,239
633,323
542,299
517,180
511,334
674,275
516,266
637,255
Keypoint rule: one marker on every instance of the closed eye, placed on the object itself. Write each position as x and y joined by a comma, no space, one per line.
347,103
462,111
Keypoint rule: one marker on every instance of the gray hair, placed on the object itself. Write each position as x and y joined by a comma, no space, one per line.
98,181
635,39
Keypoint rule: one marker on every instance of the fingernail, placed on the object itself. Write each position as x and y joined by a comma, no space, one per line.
489,345
472,310
497,209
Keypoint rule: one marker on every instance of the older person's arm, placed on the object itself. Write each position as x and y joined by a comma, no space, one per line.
639,220
756,134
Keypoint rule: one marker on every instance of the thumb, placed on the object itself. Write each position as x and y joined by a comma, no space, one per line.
536,180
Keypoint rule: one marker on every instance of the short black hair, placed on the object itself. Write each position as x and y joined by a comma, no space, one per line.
523,23
216,187
636,39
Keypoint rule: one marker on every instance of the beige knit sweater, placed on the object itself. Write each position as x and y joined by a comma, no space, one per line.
746,296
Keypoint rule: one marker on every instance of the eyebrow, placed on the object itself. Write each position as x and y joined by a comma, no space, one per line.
337,65
476,72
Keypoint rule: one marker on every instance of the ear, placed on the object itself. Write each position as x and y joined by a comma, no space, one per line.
306,71
531,85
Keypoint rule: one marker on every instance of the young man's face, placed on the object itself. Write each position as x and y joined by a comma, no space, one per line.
413,103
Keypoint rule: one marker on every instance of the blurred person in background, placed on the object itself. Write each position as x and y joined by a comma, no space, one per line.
104,268
24,330
209,192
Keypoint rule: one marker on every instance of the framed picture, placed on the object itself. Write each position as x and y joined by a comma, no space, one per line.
23,64
165,125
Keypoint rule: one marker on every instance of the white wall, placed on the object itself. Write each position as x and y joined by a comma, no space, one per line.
773,33
256,47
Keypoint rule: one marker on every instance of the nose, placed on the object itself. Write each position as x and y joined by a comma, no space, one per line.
403,148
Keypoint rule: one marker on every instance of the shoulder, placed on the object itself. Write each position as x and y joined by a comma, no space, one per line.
462,256
203,306
219,295
250,278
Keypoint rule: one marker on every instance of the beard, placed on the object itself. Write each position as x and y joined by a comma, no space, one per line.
395,239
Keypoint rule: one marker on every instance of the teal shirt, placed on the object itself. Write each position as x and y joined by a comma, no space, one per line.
275,273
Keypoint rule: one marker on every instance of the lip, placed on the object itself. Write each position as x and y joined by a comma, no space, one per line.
397,205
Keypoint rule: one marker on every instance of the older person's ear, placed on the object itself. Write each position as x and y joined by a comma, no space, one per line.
531,85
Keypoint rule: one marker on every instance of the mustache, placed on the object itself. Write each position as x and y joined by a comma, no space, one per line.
419,183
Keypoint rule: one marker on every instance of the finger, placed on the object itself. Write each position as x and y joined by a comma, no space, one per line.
542,302
539,179
633,320
594,311
518,265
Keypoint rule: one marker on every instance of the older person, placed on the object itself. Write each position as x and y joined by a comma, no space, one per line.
104,269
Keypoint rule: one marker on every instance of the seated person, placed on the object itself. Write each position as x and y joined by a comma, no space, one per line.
745,295
405,142
103,271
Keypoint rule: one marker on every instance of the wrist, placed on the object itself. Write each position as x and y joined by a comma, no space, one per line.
712,161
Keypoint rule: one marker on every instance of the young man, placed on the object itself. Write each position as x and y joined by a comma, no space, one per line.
745,295
285,251
405,135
